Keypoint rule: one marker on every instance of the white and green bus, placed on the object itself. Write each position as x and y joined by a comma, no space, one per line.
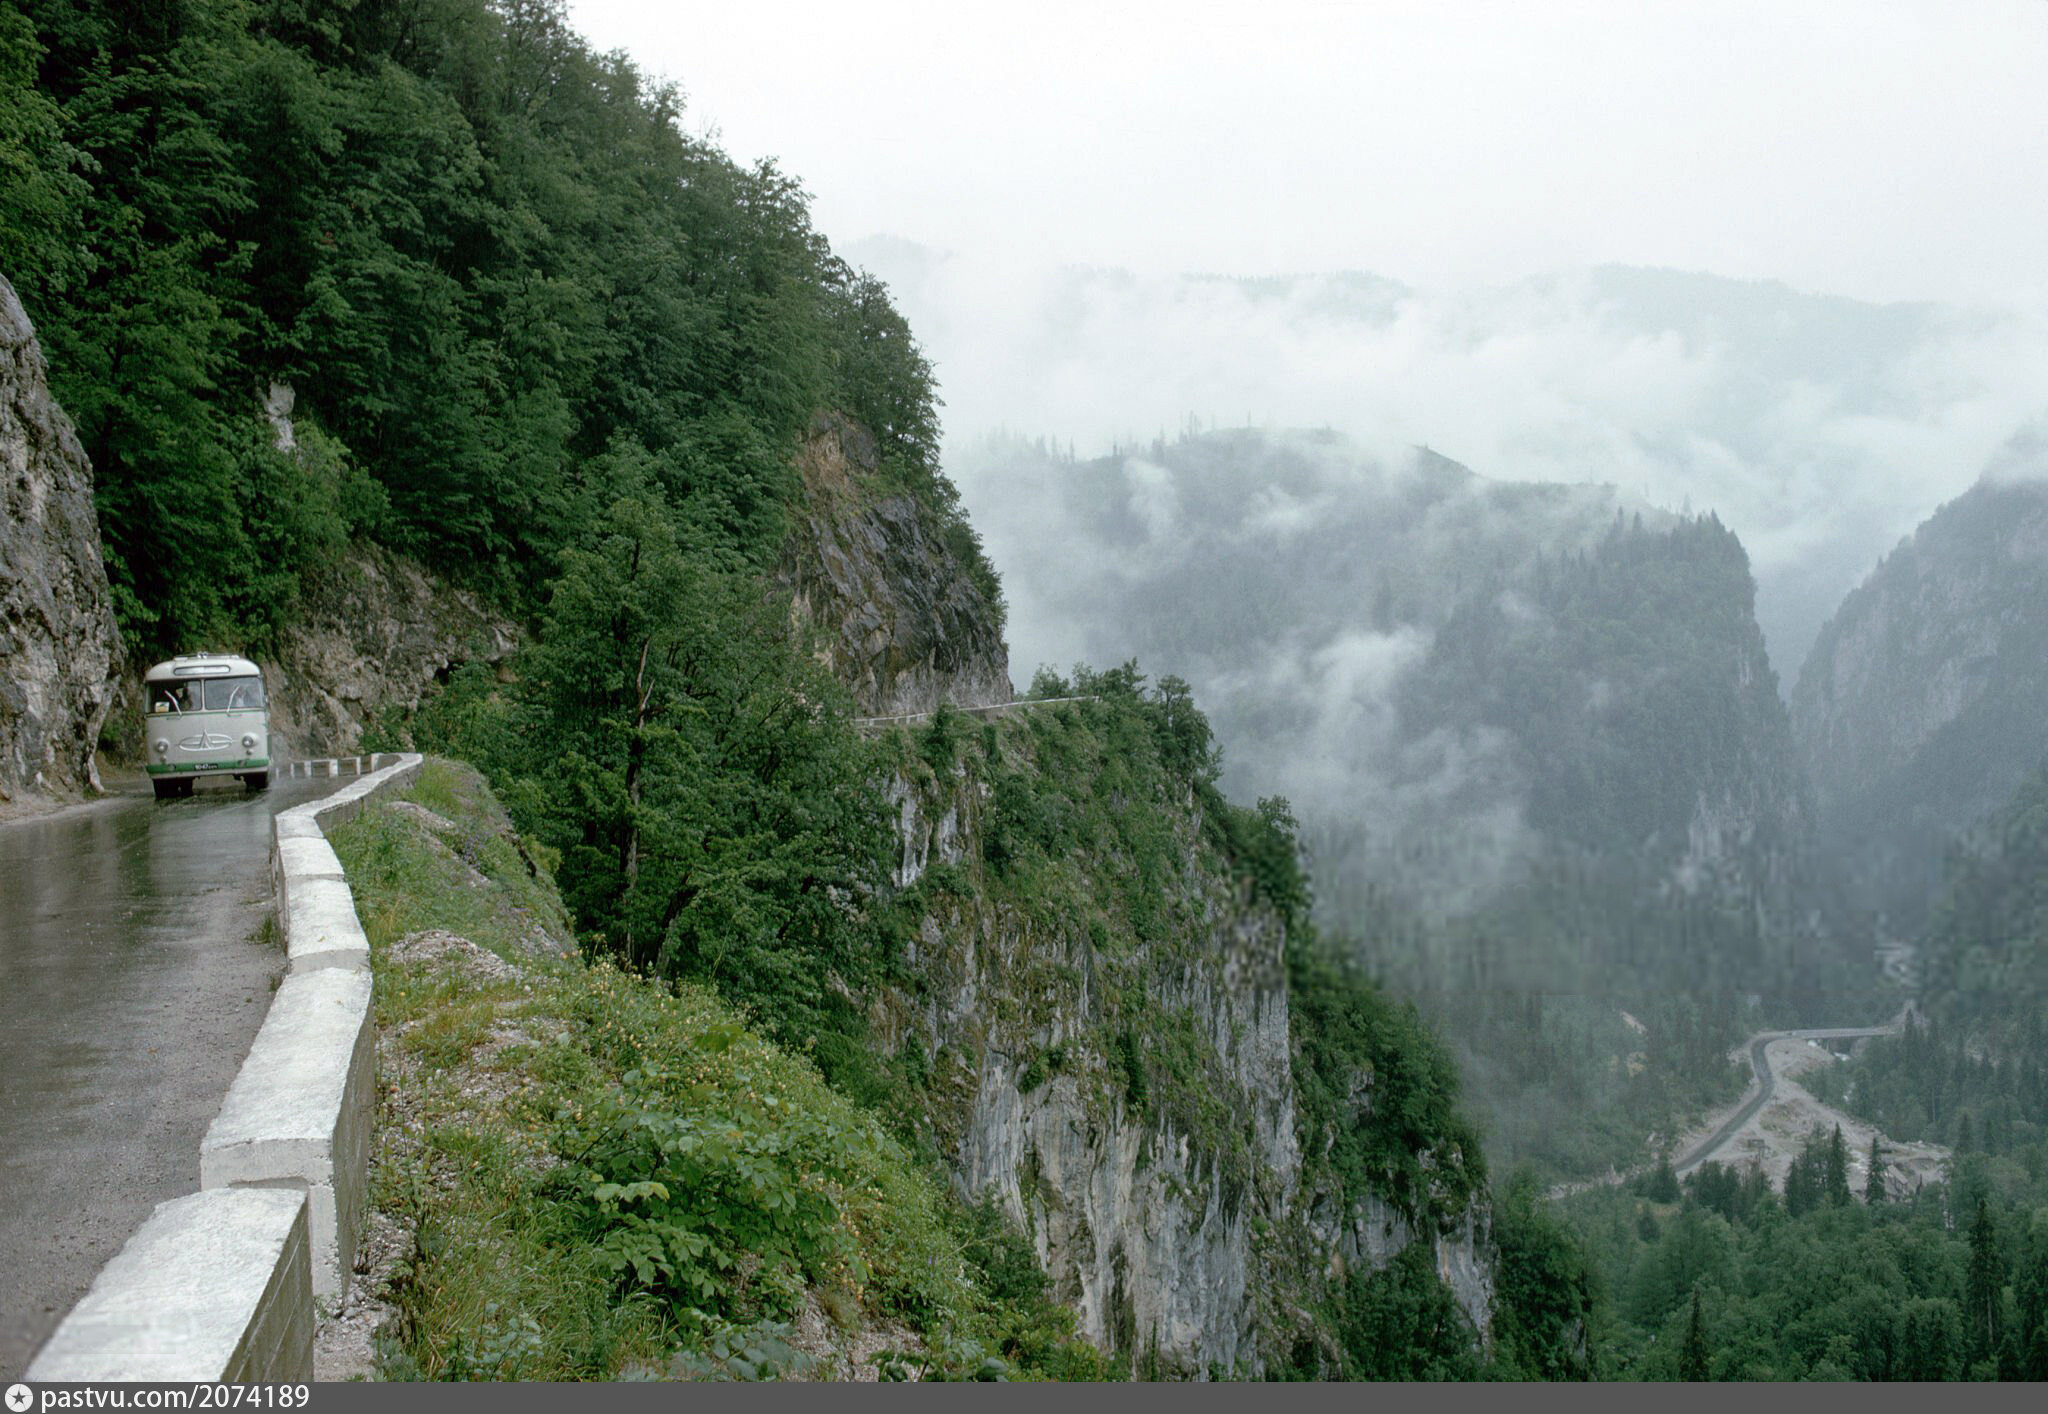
205,714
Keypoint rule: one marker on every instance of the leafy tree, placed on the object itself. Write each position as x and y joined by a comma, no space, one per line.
1696,1248
1402,1323
1930,1340
41,186
1543,1291
716,813
1348,1033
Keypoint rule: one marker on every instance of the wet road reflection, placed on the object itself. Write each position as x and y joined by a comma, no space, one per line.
131,984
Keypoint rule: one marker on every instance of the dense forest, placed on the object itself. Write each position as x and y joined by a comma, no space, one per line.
1727,1279
1972,1075
498,277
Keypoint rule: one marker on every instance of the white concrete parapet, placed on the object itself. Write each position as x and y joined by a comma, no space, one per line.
299,1113
318,918
316,912
345,803
222,1284
214,1286
297,859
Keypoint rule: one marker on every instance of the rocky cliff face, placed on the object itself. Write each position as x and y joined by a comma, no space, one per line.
1919,709
1624,706
1121,1081
1141,1212
904,623
374,633
57,632
1748,837
1096,1016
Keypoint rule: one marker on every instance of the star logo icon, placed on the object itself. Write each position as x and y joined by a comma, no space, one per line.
19,1398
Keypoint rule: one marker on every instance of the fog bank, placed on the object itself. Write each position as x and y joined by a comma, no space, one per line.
1820,429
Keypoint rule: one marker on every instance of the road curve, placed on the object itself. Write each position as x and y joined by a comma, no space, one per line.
1765,1083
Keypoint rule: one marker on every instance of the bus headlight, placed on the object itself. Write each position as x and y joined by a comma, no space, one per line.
249,741
162,745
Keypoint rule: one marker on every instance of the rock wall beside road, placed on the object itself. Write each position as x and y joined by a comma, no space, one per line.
57,632
375,633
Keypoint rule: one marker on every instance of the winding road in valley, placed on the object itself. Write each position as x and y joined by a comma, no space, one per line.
1763,1090
1765,1083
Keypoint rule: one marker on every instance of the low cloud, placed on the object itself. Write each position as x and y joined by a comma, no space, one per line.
1821,430
1296,581
1442,813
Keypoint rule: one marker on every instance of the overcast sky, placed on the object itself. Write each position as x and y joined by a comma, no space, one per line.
1881,150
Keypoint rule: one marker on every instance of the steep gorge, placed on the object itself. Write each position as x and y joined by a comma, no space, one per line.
1097,1021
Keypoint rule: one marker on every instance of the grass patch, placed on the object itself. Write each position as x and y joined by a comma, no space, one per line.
477,878
607,1175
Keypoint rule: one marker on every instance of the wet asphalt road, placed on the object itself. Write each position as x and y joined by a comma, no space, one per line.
131,986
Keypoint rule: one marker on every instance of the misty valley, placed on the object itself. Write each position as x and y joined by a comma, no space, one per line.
1252,904
1551,792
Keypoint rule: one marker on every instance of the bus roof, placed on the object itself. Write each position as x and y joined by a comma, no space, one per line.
202,665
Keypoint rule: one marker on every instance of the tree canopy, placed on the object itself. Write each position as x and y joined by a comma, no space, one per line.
483,257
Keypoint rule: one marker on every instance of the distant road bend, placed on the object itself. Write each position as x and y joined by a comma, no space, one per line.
1766,1082
997,707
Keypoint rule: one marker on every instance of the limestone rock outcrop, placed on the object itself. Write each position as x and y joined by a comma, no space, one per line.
1184,1229
905,624
58,638
374,633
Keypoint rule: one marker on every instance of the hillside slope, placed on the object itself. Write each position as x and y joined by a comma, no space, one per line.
589,421
1919,709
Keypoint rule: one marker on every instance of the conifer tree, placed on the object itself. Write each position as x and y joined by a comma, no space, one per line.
1803,1182
2030,1288
1986,1285
1692,1360
1873,1183
1836,1181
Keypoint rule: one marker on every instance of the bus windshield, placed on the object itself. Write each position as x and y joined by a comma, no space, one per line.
232,694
